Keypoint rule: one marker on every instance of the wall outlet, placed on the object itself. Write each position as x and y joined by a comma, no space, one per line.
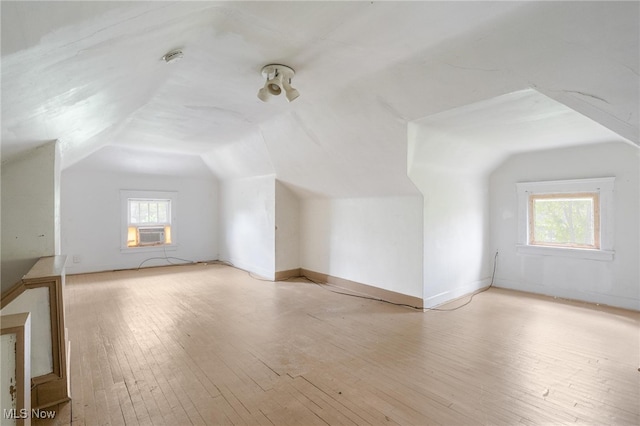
77,258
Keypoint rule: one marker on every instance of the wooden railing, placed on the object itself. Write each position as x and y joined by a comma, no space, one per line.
48,273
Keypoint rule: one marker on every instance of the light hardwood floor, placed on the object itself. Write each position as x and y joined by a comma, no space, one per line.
208,344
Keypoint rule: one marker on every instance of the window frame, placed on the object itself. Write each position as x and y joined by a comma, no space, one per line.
601,188
144,195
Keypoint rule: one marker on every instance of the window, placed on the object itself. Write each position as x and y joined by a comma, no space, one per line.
148,219
566,218
149,222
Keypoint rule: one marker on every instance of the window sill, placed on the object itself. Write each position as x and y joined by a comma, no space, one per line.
149,249
606,255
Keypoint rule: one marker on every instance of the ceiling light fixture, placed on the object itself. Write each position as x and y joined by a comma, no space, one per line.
278,79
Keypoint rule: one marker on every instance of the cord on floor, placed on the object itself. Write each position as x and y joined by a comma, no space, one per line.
167,259
495,261
326,286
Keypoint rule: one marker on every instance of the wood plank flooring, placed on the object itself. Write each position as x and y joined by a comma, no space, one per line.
209,344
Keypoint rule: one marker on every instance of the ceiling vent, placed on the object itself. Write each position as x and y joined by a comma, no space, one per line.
172,56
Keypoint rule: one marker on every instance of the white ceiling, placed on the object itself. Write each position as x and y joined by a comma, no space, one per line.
90,75
476,138
122,159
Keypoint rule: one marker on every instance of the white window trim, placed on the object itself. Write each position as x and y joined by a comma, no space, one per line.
603,186
125,195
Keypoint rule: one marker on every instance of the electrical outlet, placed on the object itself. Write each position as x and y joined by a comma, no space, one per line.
77,258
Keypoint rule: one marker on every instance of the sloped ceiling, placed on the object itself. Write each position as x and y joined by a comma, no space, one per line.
477,138
90,75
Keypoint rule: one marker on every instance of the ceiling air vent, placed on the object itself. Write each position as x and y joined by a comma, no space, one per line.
174,55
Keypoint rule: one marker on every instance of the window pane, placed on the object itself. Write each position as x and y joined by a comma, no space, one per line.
149,212
162,212
153,212
564,221
144,212
134,211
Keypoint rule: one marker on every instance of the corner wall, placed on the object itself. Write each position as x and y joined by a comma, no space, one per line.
372,241
615,283
30,211
457,257
451,174
247,224
287,229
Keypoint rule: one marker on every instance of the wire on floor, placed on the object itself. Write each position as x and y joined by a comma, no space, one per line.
493,276
251,274
167,259
325,286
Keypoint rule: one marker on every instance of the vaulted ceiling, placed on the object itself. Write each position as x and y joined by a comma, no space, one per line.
91,75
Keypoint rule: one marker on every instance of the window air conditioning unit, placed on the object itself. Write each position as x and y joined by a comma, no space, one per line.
150,236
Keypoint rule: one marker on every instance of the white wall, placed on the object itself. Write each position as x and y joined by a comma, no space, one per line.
373,241
30,214
457,257
91,219
614,282
247,224
451,173
287,229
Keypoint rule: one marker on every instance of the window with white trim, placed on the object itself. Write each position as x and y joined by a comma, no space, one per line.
571,218
149,222
148,219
